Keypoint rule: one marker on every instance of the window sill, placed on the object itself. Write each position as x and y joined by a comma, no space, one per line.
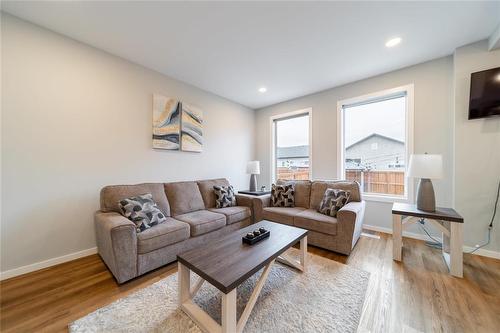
384,198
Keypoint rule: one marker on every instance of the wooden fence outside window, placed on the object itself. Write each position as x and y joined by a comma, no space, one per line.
381,182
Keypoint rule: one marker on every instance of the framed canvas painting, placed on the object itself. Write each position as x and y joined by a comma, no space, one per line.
166,122
192,128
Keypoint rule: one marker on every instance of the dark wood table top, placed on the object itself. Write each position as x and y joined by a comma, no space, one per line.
228,262
255,193
443,214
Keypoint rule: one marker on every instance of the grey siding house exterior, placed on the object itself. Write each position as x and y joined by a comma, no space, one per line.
376,152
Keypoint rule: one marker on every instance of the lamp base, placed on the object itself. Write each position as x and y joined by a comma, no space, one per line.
253,183
426,200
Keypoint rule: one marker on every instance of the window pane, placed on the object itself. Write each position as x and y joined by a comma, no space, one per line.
292,148
375,147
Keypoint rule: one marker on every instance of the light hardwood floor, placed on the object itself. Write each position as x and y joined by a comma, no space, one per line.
417,295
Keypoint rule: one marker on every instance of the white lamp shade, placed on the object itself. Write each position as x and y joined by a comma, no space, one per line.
426,166
253,168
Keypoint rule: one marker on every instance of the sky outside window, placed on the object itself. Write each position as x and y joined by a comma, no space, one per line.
293,132
386,118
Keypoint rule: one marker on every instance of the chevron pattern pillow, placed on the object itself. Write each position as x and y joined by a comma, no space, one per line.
224,196
142,210
333,201
282,196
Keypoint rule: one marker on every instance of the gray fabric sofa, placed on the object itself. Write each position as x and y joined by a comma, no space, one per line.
338,234
192,220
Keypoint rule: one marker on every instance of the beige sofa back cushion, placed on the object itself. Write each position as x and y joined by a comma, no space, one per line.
302,191
207,190
184,197
111,195
318,189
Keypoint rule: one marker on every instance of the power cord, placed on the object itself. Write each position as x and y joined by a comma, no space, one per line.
436,243
490,226
439,245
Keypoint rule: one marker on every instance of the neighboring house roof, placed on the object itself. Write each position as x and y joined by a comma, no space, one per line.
293,152
375,135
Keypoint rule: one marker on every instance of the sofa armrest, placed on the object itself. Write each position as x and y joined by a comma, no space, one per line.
350,223
243,200
246,201
259,203
117,244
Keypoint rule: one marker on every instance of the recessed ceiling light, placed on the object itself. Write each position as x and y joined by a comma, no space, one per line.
262,89
393,42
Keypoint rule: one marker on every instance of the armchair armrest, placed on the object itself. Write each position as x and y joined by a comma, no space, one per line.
350,223
259,203
117,244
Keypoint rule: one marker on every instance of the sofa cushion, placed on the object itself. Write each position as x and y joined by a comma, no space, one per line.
310,219
318,189
282,196
203,221
170,232
111,196
224,196
281,214
142,210
184,197
233,214
207,190
333,200
302,190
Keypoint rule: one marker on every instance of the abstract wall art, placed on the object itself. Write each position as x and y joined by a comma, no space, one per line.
191,128
166,122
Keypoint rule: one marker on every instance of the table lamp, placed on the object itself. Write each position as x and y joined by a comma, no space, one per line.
253,168
426,167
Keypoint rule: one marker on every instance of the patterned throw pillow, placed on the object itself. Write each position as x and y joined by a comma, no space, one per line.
224,196
282,196
142,210
332,201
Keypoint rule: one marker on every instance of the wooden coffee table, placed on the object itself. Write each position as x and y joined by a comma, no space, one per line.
229,262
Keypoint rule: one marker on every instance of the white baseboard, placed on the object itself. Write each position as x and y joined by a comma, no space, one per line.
466,249
483,252
72,256
46,263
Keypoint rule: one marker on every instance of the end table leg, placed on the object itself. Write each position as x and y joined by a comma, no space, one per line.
456,251
183,282
229,312
397,237
303,253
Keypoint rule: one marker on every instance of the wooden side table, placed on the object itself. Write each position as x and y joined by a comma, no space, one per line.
445,219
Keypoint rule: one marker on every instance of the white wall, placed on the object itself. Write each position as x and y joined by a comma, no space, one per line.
433,113
74,119
477,150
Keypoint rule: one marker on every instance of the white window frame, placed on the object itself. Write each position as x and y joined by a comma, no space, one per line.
283,116
374,97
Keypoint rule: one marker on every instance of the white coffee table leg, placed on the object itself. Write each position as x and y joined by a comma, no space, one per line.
303,253
397,237
298,264
229,312
183,283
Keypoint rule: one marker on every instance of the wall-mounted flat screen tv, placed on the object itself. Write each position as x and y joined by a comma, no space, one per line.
484,94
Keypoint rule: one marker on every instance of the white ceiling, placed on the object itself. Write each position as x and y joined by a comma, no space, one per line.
292,48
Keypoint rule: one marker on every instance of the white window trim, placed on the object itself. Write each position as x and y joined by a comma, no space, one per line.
280,116
409,184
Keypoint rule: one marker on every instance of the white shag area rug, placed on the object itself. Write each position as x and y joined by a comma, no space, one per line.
328,297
